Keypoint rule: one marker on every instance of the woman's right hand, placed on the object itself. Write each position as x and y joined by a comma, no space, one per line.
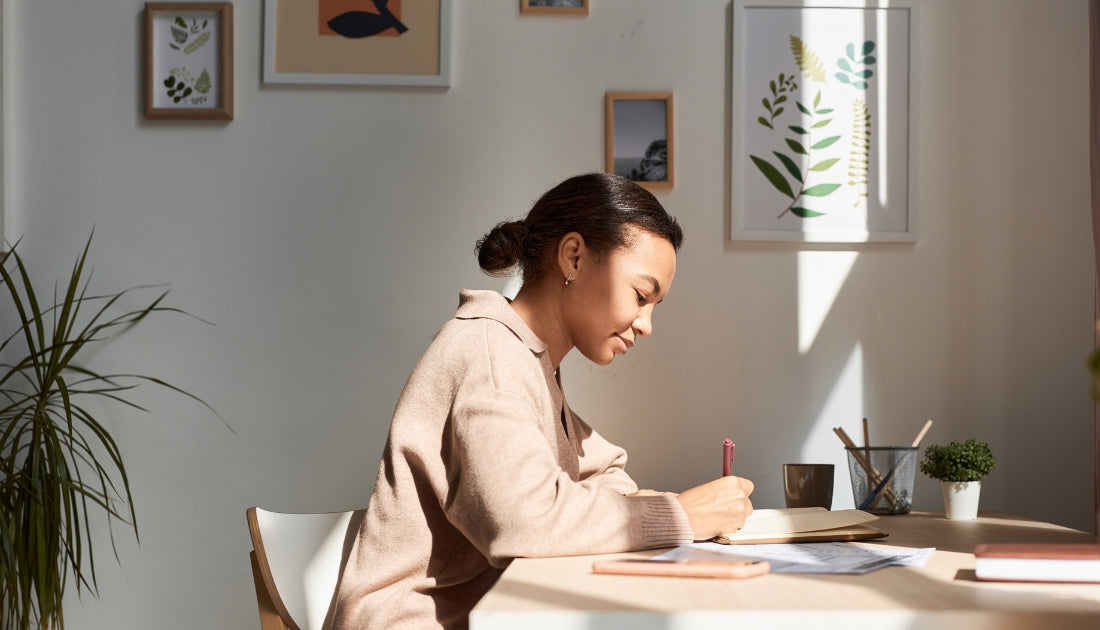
717,507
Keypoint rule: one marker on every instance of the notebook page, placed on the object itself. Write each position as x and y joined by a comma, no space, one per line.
764,522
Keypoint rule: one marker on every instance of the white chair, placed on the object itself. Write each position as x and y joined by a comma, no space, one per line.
295,564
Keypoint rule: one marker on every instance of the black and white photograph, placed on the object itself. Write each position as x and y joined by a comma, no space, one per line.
639,137
554,7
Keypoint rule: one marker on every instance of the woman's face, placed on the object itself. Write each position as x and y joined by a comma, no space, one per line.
610,303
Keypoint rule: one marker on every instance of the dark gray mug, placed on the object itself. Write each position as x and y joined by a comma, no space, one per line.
808,485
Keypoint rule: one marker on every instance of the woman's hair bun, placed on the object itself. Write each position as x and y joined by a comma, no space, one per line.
502,248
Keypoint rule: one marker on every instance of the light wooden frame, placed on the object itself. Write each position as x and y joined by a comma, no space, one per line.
525,7
610,102
863,184
161,52
439,77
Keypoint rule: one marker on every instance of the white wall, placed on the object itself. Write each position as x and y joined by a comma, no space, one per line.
327,231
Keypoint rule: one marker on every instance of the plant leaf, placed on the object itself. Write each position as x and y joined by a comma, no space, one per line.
820,190
826,142
805,213
773,175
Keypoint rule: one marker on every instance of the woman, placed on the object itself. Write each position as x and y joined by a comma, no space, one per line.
485,461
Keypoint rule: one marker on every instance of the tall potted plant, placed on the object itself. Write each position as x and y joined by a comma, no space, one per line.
57,459
960,467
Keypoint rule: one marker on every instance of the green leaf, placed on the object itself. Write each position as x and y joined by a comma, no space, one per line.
820,190
764,121
824,165
865,74
798,130
850,50
782,99
862,85
796,146
772,85
817,99
826,142
803,108
843,63
843,78
777,112
792,168
868,60
822,112
821,123
868,46
805,213
773,175
767,105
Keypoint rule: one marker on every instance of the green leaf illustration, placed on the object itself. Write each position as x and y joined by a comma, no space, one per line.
826,142
860,84
824,164
820,190
868,46
773,175
844,65
843,78
792,168
822,112
764,121
796,146
803,109
821,123
805,213
798,130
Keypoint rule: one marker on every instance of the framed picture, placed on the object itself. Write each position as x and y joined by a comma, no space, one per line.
821,121
554,7
358,42
189,60
639,137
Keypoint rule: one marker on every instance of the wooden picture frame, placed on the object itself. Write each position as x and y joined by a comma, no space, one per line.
553,7
408,46
639,138
822,124
188,60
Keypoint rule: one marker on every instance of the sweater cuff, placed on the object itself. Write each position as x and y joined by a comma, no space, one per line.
662,523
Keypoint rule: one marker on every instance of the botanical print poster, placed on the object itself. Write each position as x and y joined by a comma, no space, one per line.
821,124
186,59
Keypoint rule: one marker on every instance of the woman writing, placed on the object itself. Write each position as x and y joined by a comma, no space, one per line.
485,460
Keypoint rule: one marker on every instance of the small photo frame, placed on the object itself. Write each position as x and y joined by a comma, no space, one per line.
639,137
358,42
189,60
553,7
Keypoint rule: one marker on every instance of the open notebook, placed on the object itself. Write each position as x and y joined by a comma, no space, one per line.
813,524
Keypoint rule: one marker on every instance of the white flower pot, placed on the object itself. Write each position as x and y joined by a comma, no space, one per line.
960,499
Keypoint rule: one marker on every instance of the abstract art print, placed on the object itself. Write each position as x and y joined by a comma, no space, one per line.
188,60
358,42
821,125
638,142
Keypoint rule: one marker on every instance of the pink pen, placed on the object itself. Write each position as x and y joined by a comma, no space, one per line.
727,457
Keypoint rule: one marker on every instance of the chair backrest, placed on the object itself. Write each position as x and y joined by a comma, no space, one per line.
295,565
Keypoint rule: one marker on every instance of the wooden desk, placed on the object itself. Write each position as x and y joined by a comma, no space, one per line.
544,593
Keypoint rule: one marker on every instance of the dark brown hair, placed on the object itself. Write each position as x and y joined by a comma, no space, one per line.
598,206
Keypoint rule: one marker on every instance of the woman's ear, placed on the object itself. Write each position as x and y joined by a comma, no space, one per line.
571,250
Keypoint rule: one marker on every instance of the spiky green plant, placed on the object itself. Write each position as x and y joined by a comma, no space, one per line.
57,459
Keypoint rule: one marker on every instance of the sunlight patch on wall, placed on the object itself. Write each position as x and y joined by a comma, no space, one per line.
821,275
843,407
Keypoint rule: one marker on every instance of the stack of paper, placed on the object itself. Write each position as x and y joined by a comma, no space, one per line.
813,524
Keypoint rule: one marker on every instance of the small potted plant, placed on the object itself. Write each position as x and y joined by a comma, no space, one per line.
960,466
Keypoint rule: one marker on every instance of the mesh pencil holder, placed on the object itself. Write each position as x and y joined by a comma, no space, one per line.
882,477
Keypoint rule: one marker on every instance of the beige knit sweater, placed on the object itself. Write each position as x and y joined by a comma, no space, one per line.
484,463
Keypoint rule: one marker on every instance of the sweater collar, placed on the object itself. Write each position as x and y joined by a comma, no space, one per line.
476,304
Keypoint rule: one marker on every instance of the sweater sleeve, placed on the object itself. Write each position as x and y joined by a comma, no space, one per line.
602,462
510,498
